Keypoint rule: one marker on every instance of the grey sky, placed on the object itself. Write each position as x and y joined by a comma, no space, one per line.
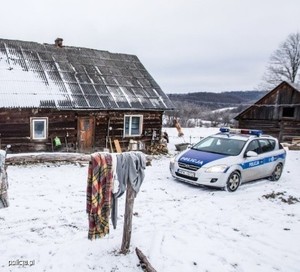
186,45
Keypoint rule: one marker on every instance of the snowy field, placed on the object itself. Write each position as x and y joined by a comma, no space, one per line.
178,227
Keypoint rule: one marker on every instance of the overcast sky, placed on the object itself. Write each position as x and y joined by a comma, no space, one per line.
186,45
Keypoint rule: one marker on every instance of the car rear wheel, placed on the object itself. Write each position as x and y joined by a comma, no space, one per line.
277,172
233,182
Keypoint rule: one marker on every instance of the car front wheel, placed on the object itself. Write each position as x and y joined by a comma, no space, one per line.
233,182
277,172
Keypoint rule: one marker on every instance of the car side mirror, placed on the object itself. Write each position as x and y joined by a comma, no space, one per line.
251,154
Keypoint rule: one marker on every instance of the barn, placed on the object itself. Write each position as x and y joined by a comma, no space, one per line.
277,113
57,97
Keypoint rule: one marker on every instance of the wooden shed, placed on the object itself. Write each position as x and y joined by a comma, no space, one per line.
56,97
277,113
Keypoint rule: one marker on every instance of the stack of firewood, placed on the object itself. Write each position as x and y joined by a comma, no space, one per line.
157,149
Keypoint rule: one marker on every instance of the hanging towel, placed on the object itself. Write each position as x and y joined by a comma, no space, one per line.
99,194
136,170
130,167
121,170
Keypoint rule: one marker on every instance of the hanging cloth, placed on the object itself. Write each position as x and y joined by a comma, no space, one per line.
3,182
57,142
99,194
130,167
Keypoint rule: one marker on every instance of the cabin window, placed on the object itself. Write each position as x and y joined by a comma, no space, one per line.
133,125
39,128
288,112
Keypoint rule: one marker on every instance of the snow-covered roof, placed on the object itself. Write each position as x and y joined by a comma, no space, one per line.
296,86
48,76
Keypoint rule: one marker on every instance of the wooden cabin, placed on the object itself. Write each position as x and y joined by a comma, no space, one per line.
56,97
276,114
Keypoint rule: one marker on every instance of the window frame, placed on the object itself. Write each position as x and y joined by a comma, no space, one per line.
258,149
33,120
130,134
261,150
289,110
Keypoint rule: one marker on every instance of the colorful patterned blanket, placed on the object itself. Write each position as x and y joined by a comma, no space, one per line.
99,194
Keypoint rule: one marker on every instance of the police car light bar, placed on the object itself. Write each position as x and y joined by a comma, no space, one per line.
255,132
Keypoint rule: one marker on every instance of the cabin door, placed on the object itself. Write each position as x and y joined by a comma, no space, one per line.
86,127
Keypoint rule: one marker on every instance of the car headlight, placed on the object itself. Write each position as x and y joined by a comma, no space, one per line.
217,169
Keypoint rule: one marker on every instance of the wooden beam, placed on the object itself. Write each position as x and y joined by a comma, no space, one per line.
117,146
20,159
145,264
47,157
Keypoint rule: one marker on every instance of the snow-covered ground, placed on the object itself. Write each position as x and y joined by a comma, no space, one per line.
178,227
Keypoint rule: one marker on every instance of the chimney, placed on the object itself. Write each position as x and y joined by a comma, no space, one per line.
59,42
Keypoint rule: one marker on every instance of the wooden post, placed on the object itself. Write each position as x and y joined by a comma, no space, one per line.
127,228
110,144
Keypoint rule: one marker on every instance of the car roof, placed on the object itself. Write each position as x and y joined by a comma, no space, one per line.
242,137
233,136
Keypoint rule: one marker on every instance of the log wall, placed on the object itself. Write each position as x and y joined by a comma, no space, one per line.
15,128
284,130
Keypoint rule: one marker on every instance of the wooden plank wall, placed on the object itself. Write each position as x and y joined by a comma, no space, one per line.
152,121
270,108
267,115
283,130
15,128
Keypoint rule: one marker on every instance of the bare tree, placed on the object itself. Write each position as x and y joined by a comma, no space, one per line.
214,117
284,63
227,116
186,112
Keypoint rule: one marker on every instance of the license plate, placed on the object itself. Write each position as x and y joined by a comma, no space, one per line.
186,173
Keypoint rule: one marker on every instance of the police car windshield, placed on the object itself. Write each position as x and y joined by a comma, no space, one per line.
225,146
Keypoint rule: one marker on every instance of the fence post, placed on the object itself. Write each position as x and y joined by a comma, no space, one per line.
127,228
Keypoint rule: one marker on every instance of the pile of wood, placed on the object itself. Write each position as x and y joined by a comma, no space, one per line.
295,144
157,149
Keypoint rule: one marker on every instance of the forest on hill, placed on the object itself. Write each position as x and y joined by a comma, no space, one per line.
192,109
215,101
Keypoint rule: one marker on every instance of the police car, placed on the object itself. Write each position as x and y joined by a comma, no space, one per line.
229,158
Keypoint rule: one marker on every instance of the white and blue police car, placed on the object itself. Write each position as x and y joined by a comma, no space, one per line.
229,158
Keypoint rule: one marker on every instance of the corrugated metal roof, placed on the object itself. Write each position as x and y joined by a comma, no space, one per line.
43,75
